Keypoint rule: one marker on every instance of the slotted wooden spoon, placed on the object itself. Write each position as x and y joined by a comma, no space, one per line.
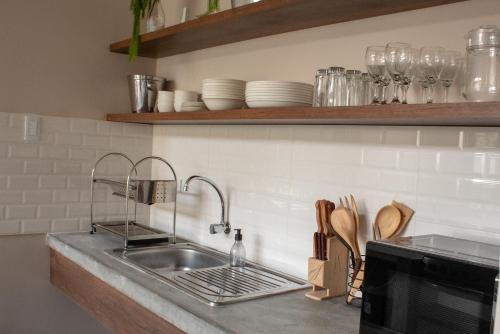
388,221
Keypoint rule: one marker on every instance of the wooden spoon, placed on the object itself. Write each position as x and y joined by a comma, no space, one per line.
406,214
343,223
388,221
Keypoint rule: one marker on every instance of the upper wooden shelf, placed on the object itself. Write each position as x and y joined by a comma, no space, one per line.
439,114
268,17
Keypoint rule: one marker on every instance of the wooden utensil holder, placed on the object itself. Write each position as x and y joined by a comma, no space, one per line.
329,278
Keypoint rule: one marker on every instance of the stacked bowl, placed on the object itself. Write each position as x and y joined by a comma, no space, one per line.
266,94
223,94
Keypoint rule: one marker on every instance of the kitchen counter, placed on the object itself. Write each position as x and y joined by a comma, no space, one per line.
286,313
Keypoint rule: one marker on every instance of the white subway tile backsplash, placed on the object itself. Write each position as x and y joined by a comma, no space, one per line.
53,152
23,182
68,139
39,167
80,125
37,197
8,167
10,227
52,211
21,211
271,190
23,150
35,226
66,196
53,181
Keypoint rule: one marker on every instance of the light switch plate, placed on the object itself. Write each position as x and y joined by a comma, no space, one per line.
31,128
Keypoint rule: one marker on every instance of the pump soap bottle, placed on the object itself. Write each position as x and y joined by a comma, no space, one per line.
237,253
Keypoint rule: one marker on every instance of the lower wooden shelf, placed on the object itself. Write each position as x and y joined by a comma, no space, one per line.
439,114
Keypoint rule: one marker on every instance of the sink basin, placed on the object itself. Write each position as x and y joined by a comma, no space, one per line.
181,258
205,274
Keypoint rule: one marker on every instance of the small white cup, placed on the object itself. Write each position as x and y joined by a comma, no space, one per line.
181,96
165,101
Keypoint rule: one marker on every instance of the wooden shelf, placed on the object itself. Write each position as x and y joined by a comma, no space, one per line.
442,114
268,17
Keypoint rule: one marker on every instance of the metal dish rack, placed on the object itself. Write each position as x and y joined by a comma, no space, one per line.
140,192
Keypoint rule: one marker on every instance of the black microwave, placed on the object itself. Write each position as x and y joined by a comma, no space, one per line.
429,284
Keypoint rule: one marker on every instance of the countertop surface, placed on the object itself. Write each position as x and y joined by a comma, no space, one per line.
286,313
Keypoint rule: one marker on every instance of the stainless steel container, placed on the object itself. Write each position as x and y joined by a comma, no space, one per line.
143,90
239,3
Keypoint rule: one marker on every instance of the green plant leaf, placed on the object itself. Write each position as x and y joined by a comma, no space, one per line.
139,10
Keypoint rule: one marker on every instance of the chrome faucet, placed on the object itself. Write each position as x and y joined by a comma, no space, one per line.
223,225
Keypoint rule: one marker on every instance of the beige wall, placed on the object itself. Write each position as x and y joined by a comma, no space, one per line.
296,55
28,302
55,58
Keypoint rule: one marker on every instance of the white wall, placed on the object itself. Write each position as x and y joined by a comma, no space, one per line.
273,174
55,57
28,302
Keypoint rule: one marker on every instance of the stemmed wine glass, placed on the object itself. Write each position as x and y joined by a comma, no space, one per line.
398,59
407,78
375,65
431,66
452,62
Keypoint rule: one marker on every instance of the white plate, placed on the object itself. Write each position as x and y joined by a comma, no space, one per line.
224,81
272,104
284,84
305,96
223,104
280,100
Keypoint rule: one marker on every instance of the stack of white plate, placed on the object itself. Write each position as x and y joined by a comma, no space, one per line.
222,94
265,94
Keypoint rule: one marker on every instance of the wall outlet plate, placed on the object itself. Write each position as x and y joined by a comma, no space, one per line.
31,128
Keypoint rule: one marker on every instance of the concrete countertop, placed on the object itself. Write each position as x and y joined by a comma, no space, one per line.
286,313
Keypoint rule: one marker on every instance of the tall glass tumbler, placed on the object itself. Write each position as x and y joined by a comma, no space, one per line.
353,87
336,87
320,88
366,89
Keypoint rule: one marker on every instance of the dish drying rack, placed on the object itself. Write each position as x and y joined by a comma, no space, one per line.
139,191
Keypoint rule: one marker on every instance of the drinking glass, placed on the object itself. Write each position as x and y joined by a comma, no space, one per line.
431,66
336,87
375,65
367,88
452,62
408,77
397,62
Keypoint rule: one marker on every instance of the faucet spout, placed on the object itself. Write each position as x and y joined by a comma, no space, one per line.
223,225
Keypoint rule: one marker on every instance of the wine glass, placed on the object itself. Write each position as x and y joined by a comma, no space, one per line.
431,66
408,77
452,62
397,62
375,65
384,83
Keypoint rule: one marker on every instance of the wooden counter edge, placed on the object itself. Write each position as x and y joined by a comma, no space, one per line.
114,310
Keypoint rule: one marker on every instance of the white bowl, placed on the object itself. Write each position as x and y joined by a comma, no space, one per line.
223,104
276,104
168,107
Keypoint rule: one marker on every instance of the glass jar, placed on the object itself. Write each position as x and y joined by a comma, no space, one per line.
366,89
320,87
336,87
482,78
156,20
353,87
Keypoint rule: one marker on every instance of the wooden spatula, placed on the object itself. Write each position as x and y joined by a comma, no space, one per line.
387,221
406,215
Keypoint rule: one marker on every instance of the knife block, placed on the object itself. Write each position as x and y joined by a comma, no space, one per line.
329,278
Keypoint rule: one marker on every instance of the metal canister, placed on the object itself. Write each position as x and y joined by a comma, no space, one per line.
143,90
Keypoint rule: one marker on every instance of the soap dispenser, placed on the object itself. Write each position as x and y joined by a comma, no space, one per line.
237,253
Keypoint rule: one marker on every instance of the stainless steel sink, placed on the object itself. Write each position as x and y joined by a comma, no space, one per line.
205,274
